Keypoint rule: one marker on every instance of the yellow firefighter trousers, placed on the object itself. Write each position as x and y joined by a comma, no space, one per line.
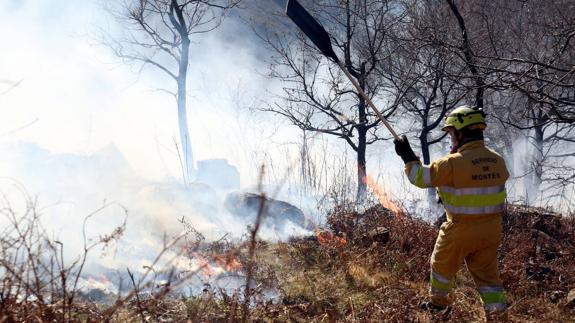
473,240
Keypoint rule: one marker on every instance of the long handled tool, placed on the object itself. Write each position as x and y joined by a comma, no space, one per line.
319,36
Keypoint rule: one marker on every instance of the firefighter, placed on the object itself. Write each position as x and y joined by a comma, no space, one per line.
471,184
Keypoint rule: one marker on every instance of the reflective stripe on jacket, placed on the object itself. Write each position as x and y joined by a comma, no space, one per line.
470,181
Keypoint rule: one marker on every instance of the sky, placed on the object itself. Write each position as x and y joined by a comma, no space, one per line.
75,96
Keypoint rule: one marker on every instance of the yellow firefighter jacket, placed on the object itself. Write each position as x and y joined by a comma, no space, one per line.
470,182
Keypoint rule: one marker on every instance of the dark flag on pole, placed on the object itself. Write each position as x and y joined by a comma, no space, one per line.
315,32
311,28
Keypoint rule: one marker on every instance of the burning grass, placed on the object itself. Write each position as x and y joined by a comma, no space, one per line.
369,266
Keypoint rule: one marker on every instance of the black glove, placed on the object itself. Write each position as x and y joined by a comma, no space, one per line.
403,149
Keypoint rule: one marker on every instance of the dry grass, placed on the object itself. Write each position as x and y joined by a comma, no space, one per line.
372,281
352,274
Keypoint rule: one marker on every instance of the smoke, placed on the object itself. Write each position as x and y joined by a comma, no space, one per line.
536,176
68,187
104,135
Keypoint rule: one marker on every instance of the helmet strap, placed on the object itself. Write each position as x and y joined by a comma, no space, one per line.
456,144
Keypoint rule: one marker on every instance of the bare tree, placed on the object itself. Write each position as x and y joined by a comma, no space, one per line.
550,156
315,95
159,34
523,46
524,50
426,71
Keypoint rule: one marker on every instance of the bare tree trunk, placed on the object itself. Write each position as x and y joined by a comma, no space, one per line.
185,135
537,160
509,152
306,175
182,112
361,165
158,35
469,55
361,141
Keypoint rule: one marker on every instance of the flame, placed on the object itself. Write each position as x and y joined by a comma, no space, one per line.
228,262
383,198
328,238
214,264
204,265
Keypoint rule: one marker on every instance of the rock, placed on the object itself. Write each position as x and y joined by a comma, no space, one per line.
247,205
218,173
